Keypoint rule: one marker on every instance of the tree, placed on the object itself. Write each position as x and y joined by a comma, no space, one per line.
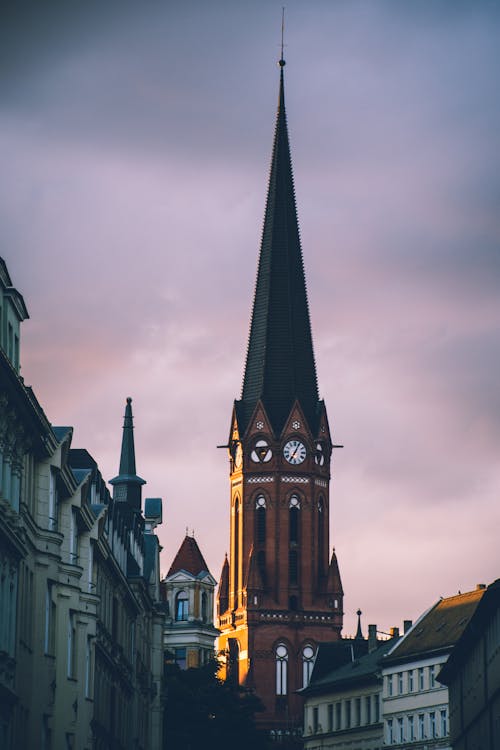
202,711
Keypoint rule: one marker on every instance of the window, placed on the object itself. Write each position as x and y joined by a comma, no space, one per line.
411,729
236,542
401,737
50,621
338,716
368,709
357,712
321,537
376,718
432,724
389,685
261,565
52,501
204,607
411,686
307,664
400,683
444,723
180,658
88,668
348,714
420,678
330,717
390,732
181,606
281,669
72,644
293,565
294,519
432,676
421,727
315,719
260,514
73,538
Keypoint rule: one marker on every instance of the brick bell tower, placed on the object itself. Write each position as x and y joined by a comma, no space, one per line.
280,592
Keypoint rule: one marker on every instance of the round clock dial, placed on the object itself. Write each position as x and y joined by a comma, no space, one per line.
294,451
319,456
261,453
238,456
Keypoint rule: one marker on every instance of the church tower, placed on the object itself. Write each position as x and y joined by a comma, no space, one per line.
280,592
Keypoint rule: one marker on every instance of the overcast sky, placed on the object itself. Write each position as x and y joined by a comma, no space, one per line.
135,142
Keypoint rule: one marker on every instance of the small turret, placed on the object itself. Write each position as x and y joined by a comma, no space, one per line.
127,485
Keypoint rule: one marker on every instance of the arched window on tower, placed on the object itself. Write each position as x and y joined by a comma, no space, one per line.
307,664
181,606
261,564
260,514
293,567
294,518
281,669
236,551
321,536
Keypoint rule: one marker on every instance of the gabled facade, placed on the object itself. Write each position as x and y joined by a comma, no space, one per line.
80,624
280,592
472,675
414,704
343,701
188,594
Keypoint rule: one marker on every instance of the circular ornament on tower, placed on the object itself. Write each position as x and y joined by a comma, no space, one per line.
294,452
319,456
261,452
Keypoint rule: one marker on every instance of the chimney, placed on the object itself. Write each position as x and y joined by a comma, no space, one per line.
407,625
394,632
372,638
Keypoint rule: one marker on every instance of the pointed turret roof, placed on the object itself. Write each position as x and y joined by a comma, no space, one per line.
280,363
127,473
254,580
189,558
334,581
224,581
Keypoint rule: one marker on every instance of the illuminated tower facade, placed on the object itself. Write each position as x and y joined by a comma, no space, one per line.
280,592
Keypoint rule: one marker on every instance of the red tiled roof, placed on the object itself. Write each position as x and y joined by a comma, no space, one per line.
188,558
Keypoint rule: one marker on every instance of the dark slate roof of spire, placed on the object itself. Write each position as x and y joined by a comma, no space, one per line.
280,363
127,455
189,558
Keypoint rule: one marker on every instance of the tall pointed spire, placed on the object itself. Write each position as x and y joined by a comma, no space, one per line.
280,363
127,485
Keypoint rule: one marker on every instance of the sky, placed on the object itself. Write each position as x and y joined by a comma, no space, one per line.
135,143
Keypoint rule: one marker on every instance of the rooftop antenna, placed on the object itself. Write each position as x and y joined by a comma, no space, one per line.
282,61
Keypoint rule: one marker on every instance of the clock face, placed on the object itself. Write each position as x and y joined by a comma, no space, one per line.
294,452
261,453
238,456
319,456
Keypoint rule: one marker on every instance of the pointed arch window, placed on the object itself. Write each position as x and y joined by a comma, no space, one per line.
294,519
260,513
181,606
261,564
307,664
293,567
281,669
321,536
236,550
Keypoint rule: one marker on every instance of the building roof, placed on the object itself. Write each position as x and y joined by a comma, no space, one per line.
331,656
439,628
359,669
280,366
475,628
189,558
